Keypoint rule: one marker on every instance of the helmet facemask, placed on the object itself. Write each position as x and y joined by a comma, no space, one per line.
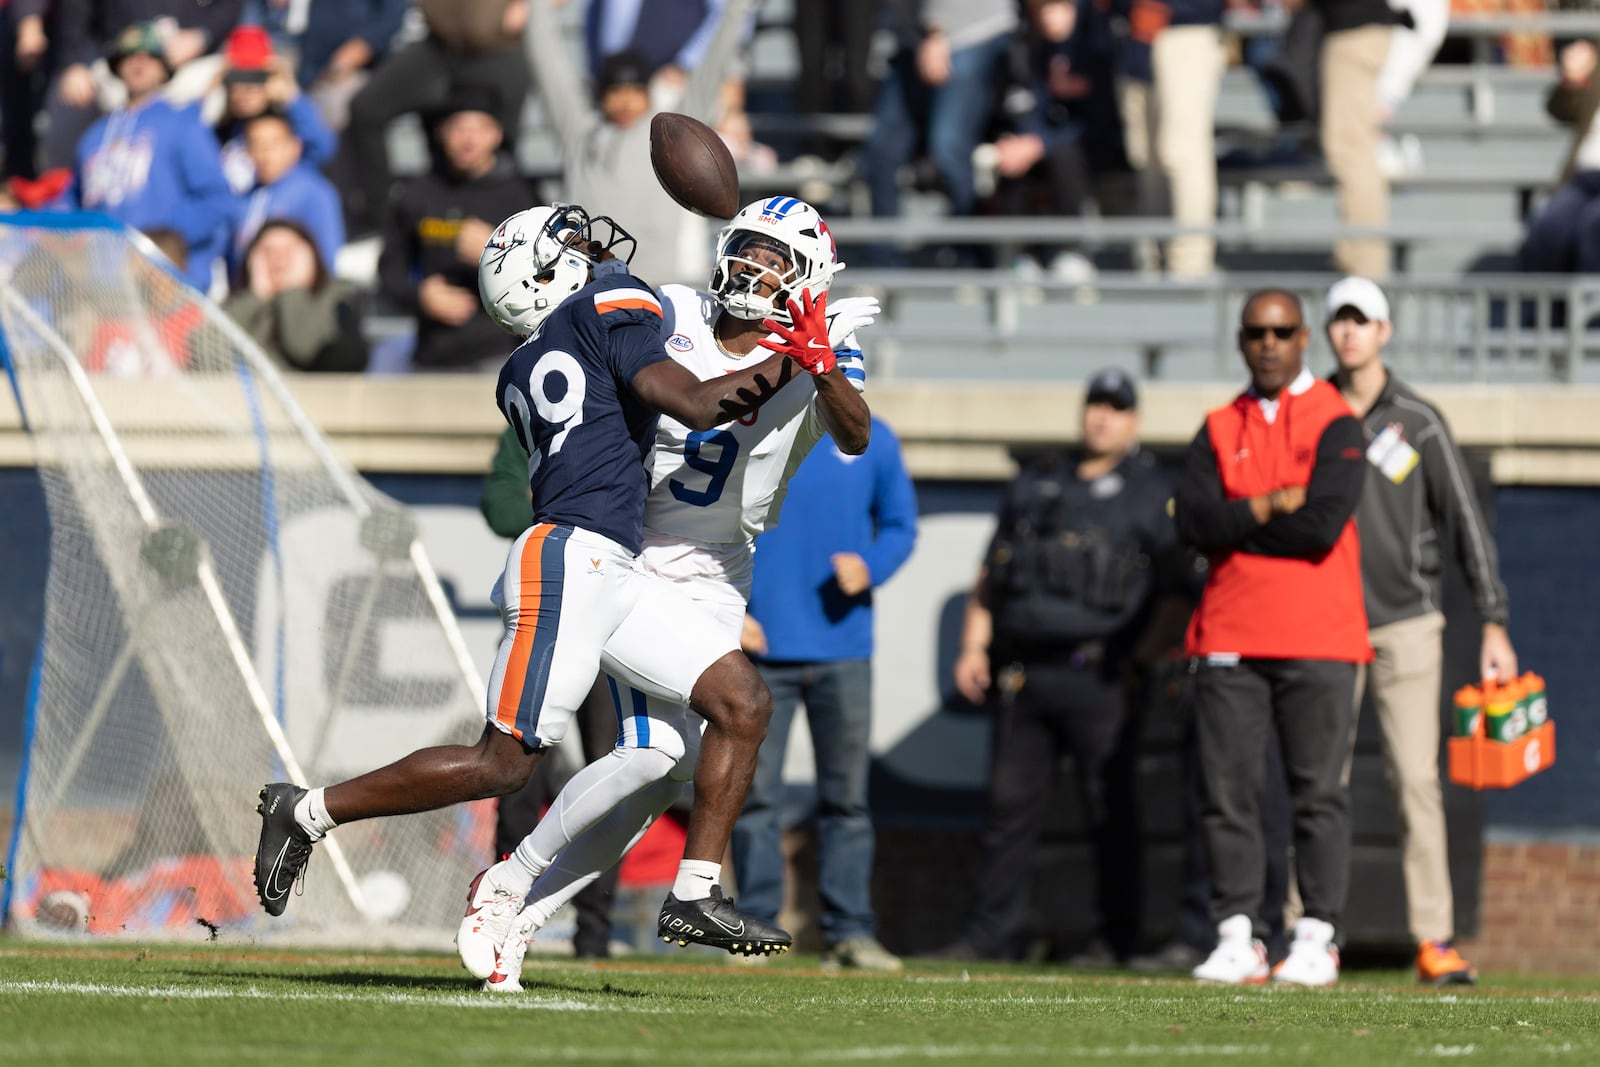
746,261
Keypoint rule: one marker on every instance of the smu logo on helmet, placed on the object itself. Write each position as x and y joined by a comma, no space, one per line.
680,341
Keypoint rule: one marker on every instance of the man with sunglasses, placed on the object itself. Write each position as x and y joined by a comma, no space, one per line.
1269,490
1418,487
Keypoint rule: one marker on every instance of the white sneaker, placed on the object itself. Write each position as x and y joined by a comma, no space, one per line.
1073,268
507,974
490,909
1313,958
1239,958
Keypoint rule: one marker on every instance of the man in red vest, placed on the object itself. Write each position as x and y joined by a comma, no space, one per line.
1268,491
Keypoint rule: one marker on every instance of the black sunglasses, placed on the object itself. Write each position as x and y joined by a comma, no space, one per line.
1259,333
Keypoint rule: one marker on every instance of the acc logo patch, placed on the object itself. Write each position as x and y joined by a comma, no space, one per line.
680,341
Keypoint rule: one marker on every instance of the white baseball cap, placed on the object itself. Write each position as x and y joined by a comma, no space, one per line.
1362,294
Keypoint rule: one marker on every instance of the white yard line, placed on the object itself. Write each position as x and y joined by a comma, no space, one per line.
520,1001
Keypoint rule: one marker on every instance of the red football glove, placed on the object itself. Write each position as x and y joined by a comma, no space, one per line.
806,342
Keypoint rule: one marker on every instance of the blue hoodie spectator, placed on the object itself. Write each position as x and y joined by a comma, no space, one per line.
286,188
302,195
868,506
152,166
318,142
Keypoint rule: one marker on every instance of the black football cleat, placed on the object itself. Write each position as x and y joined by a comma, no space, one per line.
714,921
283,849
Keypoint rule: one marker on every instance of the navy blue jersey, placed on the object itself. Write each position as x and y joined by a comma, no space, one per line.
566,393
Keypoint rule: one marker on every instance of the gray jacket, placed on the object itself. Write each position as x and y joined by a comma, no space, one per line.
1419,492
606,169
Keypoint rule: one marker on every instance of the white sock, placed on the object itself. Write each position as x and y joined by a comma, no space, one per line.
695,879
312,814
523,865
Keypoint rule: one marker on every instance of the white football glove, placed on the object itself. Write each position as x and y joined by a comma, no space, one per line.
849,314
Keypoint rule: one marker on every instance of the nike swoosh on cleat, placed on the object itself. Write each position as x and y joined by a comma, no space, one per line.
736,931
270,888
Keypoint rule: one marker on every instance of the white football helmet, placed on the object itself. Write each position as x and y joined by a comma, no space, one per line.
791,228
537,258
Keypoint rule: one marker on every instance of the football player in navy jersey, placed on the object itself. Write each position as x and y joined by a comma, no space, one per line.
583,393
712,493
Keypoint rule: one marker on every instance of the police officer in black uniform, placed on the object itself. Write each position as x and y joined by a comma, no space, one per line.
1073,600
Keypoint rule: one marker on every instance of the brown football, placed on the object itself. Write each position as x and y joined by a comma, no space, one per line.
693,165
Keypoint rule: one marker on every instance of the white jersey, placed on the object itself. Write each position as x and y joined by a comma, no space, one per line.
727,484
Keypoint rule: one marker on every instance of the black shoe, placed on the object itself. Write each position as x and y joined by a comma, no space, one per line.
956,950
1173,956
1097,955
715,922
283,849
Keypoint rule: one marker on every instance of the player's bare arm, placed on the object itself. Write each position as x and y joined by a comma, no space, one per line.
844,412
672,389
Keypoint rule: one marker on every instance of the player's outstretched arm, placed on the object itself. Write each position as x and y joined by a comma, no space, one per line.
844,412
839,402
672,389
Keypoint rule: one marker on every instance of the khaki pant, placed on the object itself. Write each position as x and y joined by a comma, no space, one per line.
1351,62
1188,62
1405,679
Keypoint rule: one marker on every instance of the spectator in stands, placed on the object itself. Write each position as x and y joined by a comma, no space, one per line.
255,81
1269,490
152,165
1565,236
1355,47
606,145
507,504
671,37
436,230
940,88
849,524
297,312
1079,593
476,43
1418,499
25,40
1059,125
834,43
1414,43
286,187
1171,124
341,44
190,33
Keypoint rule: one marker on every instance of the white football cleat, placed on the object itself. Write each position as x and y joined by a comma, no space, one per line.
507,976
1313,958
490,909
1239,958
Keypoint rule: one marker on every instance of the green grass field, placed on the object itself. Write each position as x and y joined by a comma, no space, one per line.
124,1005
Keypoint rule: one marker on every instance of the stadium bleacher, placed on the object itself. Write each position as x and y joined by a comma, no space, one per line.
1488,153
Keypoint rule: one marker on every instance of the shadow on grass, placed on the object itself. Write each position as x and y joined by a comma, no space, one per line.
412,983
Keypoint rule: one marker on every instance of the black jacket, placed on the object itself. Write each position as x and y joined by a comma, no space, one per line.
419,240
1074,561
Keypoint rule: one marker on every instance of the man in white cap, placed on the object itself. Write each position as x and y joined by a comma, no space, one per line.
1419,488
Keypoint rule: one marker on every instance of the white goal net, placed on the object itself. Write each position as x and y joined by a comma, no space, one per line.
226,605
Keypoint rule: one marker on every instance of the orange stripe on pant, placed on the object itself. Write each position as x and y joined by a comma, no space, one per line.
530,574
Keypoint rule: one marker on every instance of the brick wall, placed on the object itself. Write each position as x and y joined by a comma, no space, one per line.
1539,911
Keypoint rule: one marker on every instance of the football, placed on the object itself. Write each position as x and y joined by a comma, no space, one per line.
693,165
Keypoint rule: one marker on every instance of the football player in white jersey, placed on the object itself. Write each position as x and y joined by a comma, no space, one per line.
713,491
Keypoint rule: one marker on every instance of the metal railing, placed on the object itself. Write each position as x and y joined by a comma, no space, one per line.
1473,328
